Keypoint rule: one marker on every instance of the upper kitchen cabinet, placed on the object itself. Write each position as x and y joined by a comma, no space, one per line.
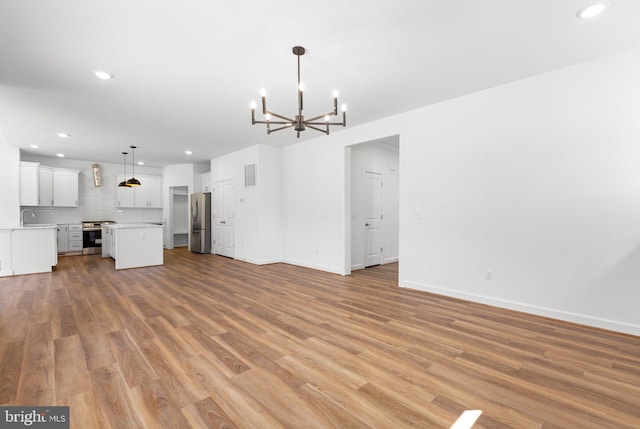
45,188
29,181
147,195
65,187
48,186
124,195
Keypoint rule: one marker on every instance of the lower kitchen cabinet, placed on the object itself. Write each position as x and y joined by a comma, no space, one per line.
63,238
70,238
75,237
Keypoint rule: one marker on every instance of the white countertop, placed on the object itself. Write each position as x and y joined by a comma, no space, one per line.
31,226
131,225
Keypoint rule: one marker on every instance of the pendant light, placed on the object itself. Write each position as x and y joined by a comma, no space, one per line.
133,181
123,184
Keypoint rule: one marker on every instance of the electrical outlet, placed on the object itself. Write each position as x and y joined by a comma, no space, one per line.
488,274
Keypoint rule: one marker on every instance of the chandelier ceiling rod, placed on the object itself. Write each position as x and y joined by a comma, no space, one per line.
299,123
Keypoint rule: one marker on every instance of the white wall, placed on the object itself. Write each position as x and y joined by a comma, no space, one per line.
270,184
537,180
9,191
9,201
257,208
375,158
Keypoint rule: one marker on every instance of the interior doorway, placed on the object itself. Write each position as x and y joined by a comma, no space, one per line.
374,194
178,234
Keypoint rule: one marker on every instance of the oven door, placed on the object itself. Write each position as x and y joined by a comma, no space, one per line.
91,241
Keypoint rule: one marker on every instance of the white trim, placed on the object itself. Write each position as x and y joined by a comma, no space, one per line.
390,260
257,262
582,319
328,269
6,273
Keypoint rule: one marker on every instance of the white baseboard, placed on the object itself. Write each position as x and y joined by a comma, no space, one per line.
260,262
582,319
390,260
6,273
313,266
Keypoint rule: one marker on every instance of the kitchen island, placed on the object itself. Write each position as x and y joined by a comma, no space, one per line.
28,249
133,245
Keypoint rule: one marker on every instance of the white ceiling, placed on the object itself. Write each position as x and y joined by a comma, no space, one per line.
185,71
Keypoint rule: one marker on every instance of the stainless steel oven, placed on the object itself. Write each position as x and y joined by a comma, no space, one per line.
92,237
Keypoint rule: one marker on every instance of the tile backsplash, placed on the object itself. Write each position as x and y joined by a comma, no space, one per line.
95,203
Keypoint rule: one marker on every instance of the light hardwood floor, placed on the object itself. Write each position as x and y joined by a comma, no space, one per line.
209,342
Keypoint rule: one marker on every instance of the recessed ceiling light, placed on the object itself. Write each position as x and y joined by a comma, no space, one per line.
592,9
101,74
34,146
63,135
188,152
60,155
140,163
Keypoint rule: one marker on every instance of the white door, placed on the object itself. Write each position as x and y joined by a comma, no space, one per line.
373,219
223,216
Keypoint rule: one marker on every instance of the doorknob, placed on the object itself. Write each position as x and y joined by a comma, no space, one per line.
367,224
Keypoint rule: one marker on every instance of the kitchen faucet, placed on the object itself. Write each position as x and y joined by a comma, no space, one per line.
22,216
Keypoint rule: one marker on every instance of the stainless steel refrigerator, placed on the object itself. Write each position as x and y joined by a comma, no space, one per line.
200,223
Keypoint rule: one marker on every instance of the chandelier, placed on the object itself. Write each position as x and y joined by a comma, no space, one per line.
319,123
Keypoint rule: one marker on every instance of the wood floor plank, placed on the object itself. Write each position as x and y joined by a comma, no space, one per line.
133,365
10,371
155,407
113,405
72,374
208,414
206,341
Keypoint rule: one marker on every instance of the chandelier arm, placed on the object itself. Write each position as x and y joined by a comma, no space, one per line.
317,129
275,122
281,117
324,123
281,128
315,118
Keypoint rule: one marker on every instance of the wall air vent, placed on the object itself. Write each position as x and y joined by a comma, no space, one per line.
249,175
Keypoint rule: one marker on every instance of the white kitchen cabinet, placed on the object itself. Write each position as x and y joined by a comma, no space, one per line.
63,238
147,195
205,182
29,182
33,249
75,237
70,238
133,245
65,187
45,186
125,195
